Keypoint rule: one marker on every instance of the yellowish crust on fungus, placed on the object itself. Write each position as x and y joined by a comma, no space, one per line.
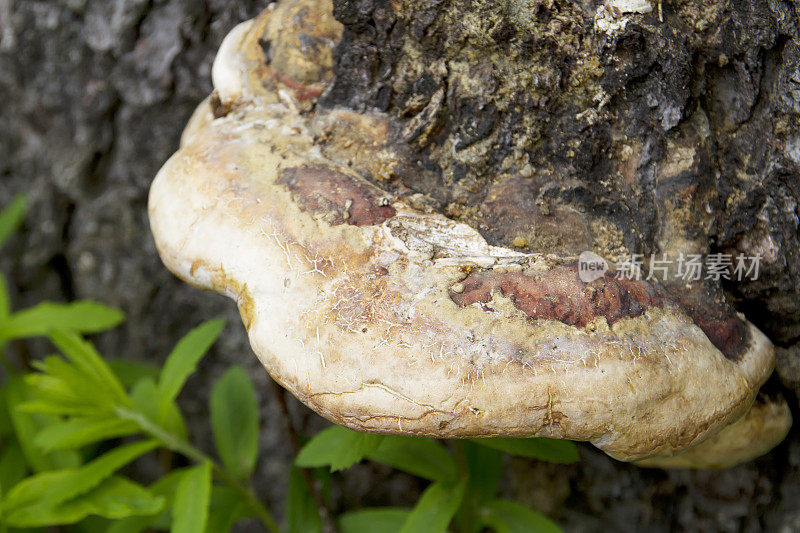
764,426
346,293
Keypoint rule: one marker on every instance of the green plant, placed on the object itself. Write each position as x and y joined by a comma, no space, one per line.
71,423
464,481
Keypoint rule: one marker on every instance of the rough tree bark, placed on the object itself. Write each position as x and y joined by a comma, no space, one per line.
545,123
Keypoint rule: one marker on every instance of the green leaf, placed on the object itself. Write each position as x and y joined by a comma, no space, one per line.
58,486
12,465
80,317
234,421
375,520
165,487
129,371
192,498
510,517
27,425
77,432
91,524
6,427
168,484
485,467
421,457
131,524
302,514
552,450
144,397
182,362
337,447
226,507
5,300
84,356
435,509
49,406
114,498
11,217
65,389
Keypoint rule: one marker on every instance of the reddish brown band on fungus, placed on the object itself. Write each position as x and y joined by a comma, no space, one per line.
559,294
337,197
722,327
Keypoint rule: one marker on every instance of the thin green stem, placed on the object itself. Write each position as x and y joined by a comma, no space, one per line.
329,525
186,449
465,516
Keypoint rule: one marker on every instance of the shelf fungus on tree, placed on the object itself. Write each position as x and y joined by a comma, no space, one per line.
386,316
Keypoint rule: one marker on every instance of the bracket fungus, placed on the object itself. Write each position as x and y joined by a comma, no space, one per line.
385,316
